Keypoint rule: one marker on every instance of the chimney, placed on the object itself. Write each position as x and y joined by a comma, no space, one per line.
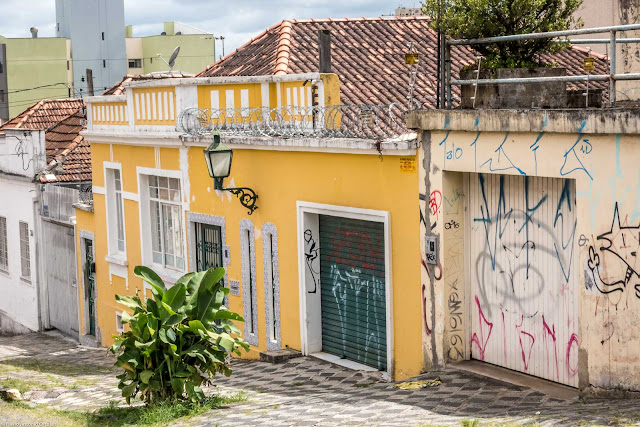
324,47
34,32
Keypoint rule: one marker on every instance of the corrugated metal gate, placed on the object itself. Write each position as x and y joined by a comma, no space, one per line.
523,261
60,274
353,299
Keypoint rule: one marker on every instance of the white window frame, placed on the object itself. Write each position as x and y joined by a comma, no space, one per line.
310,315
4,245
271,285
115,213
23,259
169,275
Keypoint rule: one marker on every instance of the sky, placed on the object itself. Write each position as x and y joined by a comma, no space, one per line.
236,20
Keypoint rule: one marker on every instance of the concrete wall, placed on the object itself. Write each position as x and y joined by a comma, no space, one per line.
36,69
134,51
599,153
96,29
196,52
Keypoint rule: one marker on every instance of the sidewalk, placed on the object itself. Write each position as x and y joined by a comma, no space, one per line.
304,391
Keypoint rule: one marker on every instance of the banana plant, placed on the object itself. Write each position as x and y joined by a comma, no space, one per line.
177,341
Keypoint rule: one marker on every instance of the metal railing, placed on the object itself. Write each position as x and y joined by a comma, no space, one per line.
612,77
340,121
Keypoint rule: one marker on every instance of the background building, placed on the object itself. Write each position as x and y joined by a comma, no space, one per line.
197,49
96,30
32,69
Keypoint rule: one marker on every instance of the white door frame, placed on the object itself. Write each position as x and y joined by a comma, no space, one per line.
310,314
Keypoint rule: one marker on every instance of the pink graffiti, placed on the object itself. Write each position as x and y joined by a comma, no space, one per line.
435,201
526,356
482,341
572,372
550,332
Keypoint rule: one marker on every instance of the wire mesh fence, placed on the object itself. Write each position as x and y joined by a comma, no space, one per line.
340,121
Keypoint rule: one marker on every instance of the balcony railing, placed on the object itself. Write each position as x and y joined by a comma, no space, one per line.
341,121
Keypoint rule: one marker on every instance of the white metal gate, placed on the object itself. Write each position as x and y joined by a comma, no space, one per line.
523,260
60,274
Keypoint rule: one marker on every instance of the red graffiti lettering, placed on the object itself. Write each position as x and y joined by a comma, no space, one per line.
481,341
435,202
550,332
367,250
437,271
526,355
572,371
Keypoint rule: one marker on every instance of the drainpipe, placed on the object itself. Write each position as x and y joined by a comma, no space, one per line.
37,206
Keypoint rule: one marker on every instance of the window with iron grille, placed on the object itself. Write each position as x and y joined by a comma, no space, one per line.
25,253
4,254
165,201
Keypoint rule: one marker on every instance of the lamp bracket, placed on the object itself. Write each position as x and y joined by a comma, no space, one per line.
247,196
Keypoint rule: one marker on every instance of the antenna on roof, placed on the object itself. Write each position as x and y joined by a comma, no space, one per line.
172,59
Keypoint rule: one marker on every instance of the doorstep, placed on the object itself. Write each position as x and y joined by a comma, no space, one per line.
550,388
350,364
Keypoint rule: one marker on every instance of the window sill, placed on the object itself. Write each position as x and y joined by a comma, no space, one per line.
167,275
5,273
116,259
26,281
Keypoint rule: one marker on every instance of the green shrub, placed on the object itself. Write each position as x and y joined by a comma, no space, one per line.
178,340
472,19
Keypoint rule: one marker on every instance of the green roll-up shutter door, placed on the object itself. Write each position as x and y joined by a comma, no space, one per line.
353,294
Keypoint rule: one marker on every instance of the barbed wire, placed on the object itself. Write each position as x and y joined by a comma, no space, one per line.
340,121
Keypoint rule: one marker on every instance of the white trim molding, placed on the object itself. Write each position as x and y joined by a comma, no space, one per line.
271,289
249,288
308,273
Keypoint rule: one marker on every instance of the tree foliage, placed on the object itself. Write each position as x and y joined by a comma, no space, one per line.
470,19
178,340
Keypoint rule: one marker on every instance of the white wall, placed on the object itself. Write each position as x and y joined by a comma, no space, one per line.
22,153
19,297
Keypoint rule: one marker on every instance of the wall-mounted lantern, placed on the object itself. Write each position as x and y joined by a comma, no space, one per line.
218,157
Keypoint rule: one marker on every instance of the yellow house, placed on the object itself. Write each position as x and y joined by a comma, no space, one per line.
329,262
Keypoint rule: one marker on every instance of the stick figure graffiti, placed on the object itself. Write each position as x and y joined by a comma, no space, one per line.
311,255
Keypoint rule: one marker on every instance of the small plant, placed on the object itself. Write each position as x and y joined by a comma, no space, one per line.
177,341
471,19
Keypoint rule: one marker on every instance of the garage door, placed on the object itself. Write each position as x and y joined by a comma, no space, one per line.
523,261
353,290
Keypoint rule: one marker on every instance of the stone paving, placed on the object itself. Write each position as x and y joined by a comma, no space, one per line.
306,391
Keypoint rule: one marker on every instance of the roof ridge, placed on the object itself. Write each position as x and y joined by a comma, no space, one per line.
30,112
589,51
284,48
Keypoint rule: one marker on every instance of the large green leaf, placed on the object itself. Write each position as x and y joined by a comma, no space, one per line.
175,296
226,314
150,276
145,376
131,302
128,390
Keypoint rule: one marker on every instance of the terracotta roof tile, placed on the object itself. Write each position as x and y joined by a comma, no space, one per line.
368,56
68,154
44,114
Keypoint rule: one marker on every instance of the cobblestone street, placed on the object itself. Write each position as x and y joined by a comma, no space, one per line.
305,391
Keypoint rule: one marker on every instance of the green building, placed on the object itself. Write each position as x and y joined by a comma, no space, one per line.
145,54
32,69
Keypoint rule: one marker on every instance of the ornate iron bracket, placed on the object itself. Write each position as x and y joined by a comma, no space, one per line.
247,196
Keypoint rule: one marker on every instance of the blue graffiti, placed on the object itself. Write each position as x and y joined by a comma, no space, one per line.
501,153
534,147
501,218
565,197
570,156
528,216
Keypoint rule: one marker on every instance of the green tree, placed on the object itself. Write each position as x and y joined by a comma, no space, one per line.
470,19
178,340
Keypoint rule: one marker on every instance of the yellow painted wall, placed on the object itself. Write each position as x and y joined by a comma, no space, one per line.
280,179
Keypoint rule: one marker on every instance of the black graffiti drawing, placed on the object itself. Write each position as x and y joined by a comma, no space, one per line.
451,224
311,254
623,243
